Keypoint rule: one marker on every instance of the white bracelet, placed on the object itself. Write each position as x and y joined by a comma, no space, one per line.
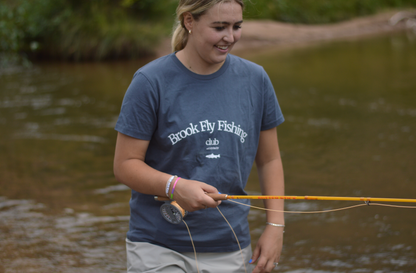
168,184
275,225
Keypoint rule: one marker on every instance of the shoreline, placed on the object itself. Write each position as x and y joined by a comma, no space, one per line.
267,35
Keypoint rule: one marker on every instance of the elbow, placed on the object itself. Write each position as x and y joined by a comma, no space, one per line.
117,172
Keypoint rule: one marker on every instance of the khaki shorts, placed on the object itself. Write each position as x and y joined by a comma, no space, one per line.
149,258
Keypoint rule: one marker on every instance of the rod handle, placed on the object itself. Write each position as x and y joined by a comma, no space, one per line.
215,196
218,196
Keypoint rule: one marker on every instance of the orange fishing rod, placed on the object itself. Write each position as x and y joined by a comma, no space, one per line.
174,213
219,196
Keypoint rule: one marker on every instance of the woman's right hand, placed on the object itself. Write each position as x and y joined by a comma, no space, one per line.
131,170
191,195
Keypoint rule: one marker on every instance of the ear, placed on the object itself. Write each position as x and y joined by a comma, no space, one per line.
188,20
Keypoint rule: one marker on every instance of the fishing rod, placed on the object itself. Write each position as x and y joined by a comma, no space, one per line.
174,214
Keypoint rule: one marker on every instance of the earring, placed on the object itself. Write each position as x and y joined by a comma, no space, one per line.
190,31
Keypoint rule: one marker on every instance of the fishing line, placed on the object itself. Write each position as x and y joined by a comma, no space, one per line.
305,212
173,213
394,206
324,211
236,238
193,245
235,235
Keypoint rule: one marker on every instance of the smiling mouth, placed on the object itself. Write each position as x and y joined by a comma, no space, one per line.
223,47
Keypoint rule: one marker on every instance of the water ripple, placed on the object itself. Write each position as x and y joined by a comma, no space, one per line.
32,241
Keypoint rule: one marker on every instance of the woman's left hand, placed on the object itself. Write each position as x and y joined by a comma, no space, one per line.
268,249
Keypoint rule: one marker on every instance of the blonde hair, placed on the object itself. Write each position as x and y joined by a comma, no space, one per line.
197,8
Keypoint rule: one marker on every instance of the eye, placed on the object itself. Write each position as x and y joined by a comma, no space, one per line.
219,28
236,27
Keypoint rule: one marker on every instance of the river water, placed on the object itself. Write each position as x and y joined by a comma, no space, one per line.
350,130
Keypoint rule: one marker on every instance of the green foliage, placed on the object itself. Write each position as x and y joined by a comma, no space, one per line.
10,33
104,29
152,9
82,30
102,32
20,23
318,11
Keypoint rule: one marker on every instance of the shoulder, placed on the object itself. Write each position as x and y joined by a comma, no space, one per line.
245,64
248,69
156,66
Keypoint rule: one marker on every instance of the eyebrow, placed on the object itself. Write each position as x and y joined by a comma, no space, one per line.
226,23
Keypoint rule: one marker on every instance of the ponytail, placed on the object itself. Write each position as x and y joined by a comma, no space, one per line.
179,38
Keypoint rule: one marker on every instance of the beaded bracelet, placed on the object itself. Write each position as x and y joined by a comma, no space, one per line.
168,184
275,225
173,188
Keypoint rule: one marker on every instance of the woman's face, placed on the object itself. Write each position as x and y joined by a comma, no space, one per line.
215,33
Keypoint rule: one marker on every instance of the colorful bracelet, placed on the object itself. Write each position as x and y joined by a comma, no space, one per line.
168,184
173,188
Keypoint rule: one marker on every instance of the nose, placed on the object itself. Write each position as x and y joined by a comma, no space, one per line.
229,36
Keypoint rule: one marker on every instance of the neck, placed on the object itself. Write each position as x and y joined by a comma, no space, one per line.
197,66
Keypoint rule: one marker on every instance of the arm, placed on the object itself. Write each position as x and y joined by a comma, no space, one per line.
131,170
270,170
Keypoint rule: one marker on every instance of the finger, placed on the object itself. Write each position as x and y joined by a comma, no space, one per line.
189,195
261,265
270,266
208,201
255,255
208,188
211,203
275,264
265,264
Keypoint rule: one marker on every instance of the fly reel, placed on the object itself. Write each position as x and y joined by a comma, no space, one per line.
172,212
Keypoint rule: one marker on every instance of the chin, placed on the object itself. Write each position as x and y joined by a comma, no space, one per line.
219,58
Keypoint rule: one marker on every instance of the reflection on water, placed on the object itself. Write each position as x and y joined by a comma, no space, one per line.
34,241
350,130
60,209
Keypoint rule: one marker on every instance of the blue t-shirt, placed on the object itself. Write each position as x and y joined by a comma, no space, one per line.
200,127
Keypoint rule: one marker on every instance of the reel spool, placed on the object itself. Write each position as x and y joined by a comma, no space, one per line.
172,212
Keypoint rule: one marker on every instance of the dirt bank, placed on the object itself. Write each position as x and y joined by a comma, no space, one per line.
265,35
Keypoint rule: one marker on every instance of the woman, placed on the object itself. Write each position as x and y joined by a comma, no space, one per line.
191,123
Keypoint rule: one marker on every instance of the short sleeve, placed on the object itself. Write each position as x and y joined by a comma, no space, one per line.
138,114
272,114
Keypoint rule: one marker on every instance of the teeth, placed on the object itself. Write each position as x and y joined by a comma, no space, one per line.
222,47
